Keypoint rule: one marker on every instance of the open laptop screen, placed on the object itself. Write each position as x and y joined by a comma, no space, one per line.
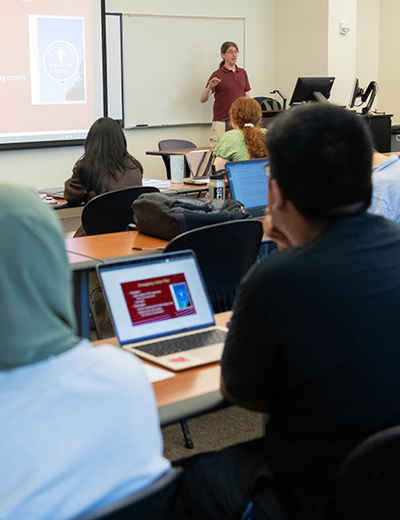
249,184
155,296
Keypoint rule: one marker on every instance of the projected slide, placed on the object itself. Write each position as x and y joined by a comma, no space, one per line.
50,70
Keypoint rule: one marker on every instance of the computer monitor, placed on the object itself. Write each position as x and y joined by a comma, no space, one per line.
355,93
312,89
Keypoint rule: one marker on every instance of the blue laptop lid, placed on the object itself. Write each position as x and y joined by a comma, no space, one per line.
249,184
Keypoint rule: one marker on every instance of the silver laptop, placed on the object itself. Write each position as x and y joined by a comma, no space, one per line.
161,311
249,184
199,165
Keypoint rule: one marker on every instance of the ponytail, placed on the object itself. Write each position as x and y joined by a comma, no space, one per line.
254,139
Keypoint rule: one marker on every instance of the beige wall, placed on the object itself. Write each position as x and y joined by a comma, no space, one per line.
301,46
308,43
389,56
342,49
49,168
367,46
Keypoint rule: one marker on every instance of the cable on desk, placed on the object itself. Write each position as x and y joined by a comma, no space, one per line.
86,256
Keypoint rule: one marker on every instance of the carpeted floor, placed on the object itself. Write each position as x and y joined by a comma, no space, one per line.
213,431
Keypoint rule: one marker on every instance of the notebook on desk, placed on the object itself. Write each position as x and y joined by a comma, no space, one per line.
249,184
161,311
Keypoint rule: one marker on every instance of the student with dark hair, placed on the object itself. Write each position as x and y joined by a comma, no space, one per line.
79,425
105,166
247,139
314,336
227,84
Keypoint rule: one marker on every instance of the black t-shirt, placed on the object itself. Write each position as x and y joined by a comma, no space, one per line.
316,331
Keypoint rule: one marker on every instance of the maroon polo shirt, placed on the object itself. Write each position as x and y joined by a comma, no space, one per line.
232,86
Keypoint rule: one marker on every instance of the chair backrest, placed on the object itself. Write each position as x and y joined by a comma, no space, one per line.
368,482
225,253
173,144
155,501
268,103
112,211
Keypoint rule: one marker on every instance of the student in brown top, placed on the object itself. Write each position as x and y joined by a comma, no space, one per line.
105,166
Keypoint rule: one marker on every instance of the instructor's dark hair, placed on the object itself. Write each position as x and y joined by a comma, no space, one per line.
224,47
105,156
321,157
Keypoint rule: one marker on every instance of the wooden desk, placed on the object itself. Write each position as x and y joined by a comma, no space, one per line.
85,252
191,392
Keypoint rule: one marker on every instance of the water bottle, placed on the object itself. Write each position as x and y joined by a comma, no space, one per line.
217,183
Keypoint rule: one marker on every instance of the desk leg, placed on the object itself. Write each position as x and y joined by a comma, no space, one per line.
81,302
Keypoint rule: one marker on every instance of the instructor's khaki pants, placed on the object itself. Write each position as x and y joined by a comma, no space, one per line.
217,131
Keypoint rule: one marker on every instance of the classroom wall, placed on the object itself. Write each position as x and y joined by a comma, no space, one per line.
301,46
342,49
50,167
389,71
368,42
320,49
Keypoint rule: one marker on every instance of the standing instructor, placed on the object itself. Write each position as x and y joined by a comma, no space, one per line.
227,84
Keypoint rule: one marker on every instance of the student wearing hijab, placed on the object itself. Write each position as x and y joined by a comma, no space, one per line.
79,425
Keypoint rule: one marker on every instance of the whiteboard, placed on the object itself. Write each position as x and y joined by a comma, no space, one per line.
167,61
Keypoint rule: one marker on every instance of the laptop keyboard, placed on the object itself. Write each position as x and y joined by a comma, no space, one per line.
171,346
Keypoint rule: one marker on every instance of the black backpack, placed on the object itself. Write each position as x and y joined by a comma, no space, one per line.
166,216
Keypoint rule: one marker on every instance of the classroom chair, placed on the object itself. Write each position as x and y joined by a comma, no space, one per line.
173,144
112,211
225,253
368,481
155,501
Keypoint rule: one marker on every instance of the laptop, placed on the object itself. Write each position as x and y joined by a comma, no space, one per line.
199,164
249,184
161,311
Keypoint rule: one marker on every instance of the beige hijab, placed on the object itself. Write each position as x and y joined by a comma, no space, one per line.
36,313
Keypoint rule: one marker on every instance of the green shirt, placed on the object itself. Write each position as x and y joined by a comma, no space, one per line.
232,147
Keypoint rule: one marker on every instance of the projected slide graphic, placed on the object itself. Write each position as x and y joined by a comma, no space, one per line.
158,299
57,56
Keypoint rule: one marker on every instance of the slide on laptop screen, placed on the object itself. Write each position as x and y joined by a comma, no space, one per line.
249,184
162,297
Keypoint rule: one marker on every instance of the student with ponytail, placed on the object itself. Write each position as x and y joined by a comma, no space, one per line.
247,139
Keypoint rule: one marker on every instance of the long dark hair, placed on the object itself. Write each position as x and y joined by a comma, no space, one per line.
224,47
105,156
